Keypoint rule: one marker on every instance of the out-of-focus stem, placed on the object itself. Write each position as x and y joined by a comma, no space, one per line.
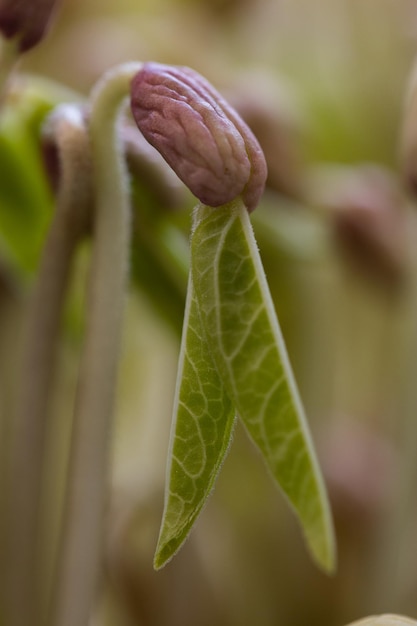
393,573
8,59
80,550
39,355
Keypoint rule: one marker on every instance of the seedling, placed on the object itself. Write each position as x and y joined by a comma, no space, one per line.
233,358
233,362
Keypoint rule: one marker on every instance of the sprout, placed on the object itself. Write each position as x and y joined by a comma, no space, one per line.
230,322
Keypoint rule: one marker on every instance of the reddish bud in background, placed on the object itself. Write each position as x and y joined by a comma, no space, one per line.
26,20
200,136
369,221
357,463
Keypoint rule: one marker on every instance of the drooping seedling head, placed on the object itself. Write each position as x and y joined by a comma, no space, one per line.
26,20
199,134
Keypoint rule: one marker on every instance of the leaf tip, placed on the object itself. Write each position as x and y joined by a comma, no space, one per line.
327,560
160,560
166,549
323,547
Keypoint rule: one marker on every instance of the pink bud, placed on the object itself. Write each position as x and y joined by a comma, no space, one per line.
200,136
27,20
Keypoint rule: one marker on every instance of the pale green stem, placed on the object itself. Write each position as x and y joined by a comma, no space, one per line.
81,546
39,355
392,573
391,570
8,59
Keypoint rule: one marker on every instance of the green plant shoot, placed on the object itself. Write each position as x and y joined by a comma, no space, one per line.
233,343
201,432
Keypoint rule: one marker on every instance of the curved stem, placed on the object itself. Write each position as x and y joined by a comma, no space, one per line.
39,355
78,569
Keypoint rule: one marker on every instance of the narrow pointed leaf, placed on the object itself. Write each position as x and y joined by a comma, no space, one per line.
200,436
238,317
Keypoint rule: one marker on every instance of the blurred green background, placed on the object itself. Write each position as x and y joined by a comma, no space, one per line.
322,83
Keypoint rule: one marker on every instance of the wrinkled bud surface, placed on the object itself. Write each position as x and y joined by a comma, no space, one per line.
148,166
199,135
27,20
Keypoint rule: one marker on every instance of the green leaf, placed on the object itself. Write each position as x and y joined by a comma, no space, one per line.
25,197
245,341
200,436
